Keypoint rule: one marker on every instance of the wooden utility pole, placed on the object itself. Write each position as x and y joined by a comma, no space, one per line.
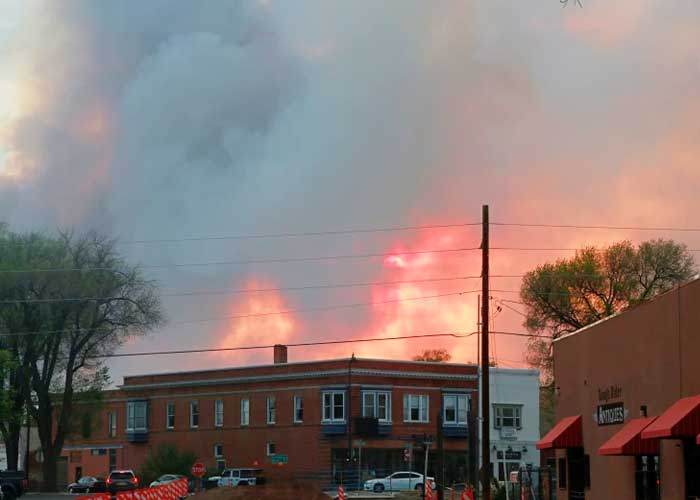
485,403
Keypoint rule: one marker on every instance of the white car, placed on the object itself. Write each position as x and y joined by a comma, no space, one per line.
166,479
398,481
241,477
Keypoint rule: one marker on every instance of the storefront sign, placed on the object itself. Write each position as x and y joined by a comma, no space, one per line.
611,414
606,394
510,455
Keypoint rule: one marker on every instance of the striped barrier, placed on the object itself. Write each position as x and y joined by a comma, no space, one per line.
171,491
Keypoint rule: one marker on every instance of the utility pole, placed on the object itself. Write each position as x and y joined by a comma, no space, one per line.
485,403
427,441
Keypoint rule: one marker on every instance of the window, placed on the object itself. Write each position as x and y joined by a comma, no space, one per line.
170,416
455,409
220,464
507,416
194,414
245,411
298,409
415,408
333,406
112,459
271,410
136,412
218,450
219,412
377,404
98,452
112,424
270,449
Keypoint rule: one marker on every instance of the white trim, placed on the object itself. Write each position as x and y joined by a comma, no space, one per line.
271,405
217,422
167,415
375,404
192,403
295,398
332,419
247,412
407,415
93,447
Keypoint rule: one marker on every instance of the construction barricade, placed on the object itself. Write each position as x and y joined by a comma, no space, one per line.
171,491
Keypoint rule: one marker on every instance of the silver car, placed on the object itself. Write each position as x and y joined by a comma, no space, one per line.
398,481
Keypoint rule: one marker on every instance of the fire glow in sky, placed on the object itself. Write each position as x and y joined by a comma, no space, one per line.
234,118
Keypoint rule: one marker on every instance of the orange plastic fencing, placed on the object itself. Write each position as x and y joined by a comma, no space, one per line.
171,491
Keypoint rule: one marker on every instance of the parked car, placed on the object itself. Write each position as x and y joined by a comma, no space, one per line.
13,484
241,477
166,479
88,484
398,481
122,480
209,483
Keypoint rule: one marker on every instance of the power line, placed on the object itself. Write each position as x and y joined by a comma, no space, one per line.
618,228
254,315
323,308
242,262
304,344
251,290
302,234
554,249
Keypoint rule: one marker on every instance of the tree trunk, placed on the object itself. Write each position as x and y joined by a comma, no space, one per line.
48,472
12,446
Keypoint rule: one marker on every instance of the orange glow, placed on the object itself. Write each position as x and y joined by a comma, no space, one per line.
273,329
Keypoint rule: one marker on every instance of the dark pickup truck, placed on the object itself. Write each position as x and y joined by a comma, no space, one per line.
12,484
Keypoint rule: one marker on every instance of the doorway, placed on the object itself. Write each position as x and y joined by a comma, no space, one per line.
646,477
579,473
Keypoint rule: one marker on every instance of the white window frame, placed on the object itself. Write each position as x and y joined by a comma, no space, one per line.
374,410
194,405
216,446
267,448
298,407
112,424
461,402
132,418
218,413
423,408
168,414
332,419
271,407
245,412
517,416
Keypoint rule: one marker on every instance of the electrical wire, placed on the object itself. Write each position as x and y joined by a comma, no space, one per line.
250,290
302,234
242,262
271,313
590,226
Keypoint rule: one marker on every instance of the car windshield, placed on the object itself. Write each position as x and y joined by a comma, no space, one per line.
121,475
85,480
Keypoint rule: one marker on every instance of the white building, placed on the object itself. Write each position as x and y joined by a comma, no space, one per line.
515,419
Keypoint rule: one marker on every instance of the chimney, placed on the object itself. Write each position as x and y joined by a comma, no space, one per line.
280,354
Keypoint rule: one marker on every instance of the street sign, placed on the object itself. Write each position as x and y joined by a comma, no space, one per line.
198,469
278,459
407,454
359,442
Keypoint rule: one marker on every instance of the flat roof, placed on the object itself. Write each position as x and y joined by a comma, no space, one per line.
298,363
695,279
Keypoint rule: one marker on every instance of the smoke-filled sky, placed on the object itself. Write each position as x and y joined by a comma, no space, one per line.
163,119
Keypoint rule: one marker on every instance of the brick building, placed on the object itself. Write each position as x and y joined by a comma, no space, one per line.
308,414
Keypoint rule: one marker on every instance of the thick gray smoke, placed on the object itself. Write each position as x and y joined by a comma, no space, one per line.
165,119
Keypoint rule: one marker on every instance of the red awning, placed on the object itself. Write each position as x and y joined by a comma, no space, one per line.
568,433
628,441
682,419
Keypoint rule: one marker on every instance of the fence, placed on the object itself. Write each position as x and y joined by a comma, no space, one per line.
171,491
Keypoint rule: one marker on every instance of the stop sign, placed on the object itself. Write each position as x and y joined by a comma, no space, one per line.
198,469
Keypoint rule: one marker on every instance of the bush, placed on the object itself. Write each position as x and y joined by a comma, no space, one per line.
167,459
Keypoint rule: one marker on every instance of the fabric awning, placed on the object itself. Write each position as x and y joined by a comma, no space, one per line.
568,433
682,419
628,440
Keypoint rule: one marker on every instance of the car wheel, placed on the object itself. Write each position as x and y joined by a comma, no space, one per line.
87,490
419,487
379,487
8,495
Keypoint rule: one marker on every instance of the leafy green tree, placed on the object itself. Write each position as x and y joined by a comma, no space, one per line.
435,355
566,295
167,459
65,302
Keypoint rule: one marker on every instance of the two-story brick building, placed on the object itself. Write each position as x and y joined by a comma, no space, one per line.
306,415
